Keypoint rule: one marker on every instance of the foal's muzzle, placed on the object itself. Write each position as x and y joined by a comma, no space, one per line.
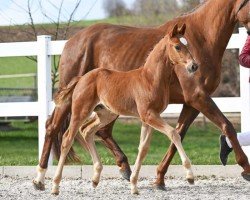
192,67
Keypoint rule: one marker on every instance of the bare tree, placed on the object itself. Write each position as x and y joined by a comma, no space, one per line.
156,10
190,4
58,26
115,8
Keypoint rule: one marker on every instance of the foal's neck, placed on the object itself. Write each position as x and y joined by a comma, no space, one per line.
157,64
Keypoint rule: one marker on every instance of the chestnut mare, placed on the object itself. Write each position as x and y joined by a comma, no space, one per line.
142,93
124,48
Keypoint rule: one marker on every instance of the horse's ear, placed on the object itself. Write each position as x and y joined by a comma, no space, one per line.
182,29
174,31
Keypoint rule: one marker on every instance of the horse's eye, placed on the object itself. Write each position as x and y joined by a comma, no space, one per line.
178,48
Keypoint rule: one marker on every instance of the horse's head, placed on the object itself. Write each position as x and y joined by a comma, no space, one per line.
243,13
177,50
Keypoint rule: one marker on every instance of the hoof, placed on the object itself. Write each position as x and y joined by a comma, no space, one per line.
56,193
135,191
125,174
94,184
246,176
38,185
190,181
55,190
160,187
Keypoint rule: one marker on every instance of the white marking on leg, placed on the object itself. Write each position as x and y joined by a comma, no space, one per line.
40,175
146,133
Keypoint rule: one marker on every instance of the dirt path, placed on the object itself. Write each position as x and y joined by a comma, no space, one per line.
204,188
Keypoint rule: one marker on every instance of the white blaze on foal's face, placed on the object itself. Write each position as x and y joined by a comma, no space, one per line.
184,41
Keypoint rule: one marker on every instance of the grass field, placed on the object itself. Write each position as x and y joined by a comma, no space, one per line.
20,147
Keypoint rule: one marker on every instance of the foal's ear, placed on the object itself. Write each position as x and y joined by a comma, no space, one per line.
182,29
174,31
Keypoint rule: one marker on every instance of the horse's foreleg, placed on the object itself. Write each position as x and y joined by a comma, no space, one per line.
187,116
52,127
121,159
146,134
155,121
202,102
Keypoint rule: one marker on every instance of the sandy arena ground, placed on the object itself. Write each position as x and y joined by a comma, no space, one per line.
117,188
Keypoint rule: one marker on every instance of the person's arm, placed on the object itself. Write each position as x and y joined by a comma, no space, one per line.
244,57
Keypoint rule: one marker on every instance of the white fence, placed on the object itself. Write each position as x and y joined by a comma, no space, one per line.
44,48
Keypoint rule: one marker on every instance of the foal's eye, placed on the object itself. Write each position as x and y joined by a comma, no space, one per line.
178,48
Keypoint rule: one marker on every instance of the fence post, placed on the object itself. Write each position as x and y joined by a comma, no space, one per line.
44,87
244,91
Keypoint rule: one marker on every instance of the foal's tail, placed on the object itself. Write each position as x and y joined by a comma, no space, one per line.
64,95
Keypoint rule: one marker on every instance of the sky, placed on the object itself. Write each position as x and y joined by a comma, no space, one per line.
15,11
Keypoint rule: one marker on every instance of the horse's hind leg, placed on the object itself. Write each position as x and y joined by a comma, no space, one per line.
146,133
52,128
105,134
155,121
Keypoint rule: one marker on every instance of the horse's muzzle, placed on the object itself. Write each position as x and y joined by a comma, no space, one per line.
192,67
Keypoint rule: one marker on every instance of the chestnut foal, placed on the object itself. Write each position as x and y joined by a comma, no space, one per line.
143,93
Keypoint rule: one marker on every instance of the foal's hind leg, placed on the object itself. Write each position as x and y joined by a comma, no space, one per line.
155,121
146,133
102,118
80,113
52,128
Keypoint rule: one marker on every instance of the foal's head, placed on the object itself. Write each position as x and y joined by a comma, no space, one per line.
177,50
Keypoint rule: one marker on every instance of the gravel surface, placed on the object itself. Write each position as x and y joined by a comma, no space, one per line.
204,188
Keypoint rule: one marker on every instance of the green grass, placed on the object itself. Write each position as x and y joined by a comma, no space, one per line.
201,144
17,65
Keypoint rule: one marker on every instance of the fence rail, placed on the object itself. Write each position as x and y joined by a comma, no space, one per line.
44,48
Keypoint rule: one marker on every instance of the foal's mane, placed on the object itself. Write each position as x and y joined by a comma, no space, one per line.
157,45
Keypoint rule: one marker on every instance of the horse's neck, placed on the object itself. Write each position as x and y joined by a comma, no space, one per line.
216,19
210,26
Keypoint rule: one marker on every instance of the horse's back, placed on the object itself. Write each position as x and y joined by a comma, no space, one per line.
108,46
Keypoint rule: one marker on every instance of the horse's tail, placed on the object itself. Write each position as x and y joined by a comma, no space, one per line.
57,142
64,95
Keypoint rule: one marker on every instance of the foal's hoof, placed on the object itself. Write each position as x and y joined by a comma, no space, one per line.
55,190
135,191
56,193
38,185
190,181
126,173
94,184
246,175
160,187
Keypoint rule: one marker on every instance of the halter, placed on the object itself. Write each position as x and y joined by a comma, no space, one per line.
244,2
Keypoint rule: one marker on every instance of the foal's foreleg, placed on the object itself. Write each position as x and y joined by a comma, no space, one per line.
155,121
146,134
187,116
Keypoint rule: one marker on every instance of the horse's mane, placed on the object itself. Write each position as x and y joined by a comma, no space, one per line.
194,9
